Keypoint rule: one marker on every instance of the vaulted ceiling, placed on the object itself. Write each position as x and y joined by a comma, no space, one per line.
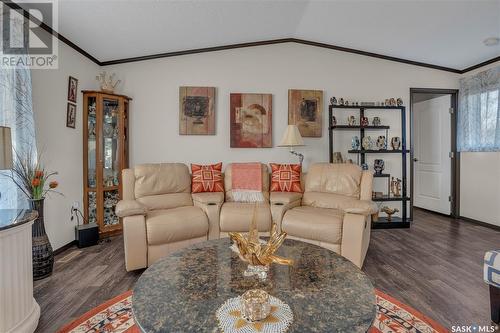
445,33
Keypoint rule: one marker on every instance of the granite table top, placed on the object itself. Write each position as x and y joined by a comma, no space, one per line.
10,218
181,292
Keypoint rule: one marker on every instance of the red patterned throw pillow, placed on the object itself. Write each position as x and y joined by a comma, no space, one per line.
206,178
285,178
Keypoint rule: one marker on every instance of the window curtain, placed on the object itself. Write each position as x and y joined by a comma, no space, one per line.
16,112
479,112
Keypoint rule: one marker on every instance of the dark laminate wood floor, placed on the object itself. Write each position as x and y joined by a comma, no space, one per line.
435,266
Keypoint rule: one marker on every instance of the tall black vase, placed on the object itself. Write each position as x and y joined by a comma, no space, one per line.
43,256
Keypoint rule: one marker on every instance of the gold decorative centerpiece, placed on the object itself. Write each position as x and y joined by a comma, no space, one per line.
257,252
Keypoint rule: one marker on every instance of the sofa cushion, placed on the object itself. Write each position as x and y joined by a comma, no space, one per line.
320,224
228,182
166,201
161,178
337,201
237,216
285,178
206,178
177,224
341,179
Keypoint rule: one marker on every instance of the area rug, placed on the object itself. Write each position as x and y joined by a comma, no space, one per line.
115,316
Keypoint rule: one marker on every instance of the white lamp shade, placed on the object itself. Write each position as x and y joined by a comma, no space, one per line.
292,137
5,148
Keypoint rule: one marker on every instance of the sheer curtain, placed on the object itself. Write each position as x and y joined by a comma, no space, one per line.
479,112
16,112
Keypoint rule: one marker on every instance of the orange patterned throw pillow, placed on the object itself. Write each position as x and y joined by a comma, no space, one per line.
206,178
285,178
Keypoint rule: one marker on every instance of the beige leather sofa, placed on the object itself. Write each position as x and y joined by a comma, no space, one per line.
160,215
334,212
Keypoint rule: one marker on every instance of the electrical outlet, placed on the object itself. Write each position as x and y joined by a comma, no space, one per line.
75,206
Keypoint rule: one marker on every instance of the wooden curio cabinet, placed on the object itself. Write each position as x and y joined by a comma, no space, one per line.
105,155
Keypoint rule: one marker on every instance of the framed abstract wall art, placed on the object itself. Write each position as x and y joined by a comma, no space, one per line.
197,110
305,109
251,120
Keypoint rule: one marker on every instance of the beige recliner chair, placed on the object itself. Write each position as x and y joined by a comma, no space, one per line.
335,210
158,213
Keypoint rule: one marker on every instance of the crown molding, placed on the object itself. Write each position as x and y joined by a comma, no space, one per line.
65,40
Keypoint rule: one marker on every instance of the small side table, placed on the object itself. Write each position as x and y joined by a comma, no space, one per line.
19,312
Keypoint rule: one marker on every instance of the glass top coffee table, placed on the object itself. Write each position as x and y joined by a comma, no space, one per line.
182,292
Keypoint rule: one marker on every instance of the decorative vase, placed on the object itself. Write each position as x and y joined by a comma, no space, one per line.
395,143
378,166
43,256
355,142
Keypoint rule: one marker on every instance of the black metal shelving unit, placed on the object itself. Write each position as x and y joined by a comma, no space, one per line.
382,223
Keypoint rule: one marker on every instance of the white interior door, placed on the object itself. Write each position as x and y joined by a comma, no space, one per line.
432,168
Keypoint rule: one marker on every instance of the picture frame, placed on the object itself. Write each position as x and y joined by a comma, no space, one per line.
197,110
72,89
251,120
71,115
305,109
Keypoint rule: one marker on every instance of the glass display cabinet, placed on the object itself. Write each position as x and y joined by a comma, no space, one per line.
105,155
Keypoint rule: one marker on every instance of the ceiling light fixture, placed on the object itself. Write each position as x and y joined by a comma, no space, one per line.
491,41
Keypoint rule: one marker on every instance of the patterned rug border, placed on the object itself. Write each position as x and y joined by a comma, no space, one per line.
434,324
89,314
438,328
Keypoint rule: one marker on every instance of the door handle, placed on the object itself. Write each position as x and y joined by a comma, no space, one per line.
415,159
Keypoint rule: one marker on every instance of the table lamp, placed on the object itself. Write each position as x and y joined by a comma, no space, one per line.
5,149
292,138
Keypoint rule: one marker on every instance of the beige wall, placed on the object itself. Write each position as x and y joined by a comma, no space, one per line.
154,86
61,146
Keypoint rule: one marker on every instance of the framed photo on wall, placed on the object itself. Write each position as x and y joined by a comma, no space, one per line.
305,109
71,115
72,89
251,120
197,110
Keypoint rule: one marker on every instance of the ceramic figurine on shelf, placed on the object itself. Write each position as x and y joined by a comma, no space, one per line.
364,121
351,121
381,142
333,101
337,158
376,121
341,101
387,102
91,130
334,121
396,186
389,212
346,102
399,101
355,143
392,102
367,143
378,166
395,143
